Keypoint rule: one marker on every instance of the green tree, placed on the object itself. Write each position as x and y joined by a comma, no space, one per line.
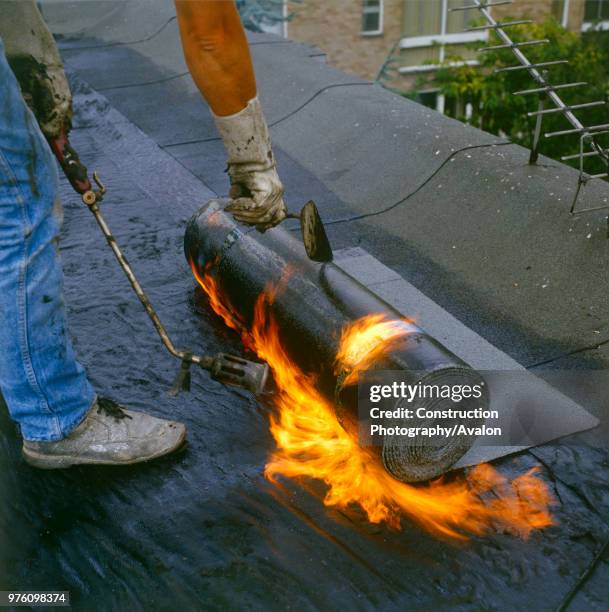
497,110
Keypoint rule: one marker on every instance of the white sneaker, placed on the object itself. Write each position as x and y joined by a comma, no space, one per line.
108,435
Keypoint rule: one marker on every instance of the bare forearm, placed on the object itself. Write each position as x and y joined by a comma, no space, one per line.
217,54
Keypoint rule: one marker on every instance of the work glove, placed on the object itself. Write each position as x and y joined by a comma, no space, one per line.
34,58
256,190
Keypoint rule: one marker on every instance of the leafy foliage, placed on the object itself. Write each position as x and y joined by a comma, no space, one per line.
497,110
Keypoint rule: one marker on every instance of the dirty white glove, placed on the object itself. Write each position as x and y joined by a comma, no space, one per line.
34,58
256,190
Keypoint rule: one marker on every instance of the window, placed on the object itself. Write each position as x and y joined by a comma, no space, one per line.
372,17
433,99
431,33
427,17
596,10
596,15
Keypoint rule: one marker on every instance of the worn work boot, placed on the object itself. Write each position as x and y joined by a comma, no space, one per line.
109,435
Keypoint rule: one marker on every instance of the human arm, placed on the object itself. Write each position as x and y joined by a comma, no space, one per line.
217,55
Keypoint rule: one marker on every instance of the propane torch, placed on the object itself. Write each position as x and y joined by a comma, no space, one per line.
226,369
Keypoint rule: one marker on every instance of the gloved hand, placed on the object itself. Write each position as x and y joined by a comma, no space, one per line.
256,189
34,58
257,198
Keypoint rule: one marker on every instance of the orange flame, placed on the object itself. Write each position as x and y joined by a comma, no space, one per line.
210,287
311,443
364,341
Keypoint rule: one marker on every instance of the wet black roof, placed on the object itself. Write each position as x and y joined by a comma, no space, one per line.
456,211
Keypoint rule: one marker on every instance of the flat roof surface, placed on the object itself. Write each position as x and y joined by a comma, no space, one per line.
455,211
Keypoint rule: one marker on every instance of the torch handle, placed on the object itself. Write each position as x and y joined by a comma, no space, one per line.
73,168
76,172
204,362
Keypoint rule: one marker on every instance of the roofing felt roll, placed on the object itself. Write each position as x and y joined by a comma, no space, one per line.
314,305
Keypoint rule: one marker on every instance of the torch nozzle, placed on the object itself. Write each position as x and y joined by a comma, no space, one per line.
238,372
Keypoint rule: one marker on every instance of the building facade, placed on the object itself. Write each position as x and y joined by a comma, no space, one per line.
359,35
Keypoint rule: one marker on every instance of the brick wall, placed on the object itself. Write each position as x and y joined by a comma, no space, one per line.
335,27
576,14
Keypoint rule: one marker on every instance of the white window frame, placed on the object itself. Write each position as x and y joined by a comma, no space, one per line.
565,14
443,38
595,25
433,67
413,42
380,13
285,14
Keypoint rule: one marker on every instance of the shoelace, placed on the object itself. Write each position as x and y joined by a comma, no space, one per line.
111,408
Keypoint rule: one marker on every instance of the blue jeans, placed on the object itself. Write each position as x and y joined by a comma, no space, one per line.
45,388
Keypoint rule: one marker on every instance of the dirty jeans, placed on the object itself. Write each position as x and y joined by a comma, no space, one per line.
43,384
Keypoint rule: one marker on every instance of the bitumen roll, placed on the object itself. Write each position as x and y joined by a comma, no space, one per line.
315,304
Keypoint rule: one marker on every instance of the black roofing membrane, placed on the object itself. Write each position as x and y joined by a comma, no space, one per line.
203,529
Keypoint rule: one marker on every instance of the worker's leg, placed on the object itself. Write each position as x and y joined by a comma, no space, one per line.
44,386
217,53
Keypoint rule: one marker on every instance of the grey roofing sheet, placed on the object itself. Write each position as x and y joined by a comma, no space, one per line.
109,21
500,246
127,65
370,146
